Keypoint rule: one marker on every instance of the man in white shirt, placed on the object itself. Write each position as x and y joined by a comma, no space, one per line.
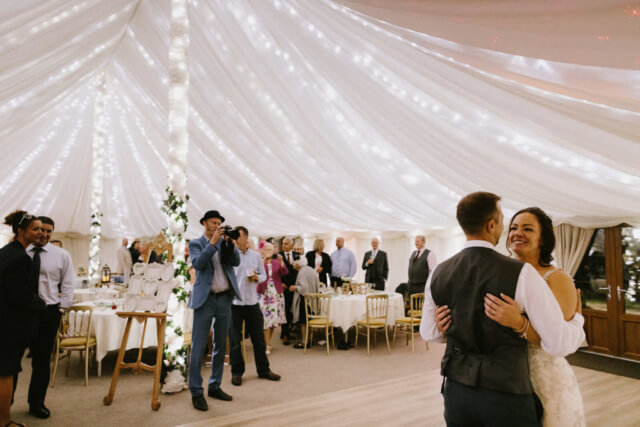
245,308
485,365
124,260
55,288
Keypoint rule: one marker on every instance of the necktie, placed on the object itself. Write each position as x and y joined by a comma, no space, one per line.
36,267
417,255
289,257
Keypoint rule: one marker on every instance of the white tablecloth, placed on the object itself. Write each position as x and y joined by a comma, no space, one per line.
77,281
91,294
109,328
345,311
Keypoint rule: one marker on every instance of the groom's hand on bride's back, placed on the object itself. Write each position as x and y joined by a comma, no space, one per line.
442,318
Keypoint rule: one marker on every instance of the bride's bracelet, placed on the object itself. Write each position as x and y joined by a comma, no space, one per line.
523,330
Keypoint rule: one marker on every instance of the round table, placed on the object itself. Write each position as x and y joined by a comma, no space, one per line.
91,294
109,328
345,310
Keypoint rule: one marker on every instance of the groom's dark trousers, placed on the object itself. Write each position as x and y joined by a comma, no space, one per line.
466,406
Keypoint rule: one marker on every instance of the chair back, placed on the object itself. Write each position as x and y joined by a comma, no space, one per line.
317,306
417,301
159,245
377,307
76,322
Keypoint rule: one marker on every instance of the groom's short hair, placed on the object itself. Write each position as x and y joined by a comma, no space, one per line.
475,209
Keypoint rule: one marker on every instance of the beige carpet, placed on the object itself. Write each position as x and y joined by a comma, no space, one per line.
304,376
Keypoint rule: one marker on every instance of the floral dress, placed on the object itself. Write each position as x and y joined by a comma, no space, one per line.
272,303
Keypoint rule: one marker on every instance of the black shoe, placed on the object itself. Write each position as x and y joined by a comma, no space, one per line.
343,346
299,345
270,376
41,412
236,379
200,403
219,394
285,341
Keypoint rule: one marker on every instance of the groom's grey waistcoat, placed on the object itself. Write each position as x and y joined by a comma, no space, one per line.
480,352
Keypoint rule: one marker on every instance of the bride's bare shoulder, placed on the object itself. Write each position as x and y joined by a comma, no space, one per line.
564,290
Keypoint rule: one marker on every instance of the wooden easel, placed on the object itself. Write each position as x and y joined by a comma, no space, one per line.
138,366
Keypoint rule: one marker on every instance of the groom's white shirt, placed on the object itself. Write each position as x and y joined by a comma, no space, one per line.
559,337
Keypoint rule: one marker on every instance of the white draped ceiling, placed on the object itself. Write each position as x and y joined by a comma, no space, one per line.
321,116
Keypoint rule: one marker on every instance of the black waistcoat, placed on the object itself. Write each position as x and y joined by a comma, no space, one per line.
419,268
480,352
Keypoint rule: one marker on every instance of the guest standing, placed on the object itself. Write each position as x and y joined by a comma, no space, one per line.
421,263
246,309
213,255
19,303
319,261
124,260
55,288
134,250
271,297
376,265
288,255
343,263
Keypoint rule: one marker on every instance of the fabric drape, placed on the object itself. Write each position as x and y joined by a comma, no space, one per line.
571,244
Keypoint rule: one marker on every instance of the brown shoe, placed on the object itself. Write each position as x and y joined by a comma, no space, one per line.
236,380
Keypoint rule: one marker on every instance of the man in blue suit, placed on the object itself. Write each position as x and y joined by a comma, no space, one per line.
213,256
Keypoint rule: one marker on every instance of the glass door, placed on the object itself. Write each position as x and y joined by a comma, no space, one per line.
597,298
609,280
628,294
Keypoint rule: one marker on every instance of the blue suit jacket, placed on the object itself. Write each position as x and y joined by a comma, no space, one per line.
201,253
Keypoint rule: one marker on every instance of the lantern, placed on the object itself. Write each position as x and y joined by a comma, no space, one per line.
106,275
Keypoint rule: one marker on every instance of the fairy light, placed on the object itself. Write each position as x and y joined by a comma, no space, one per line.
177,182
97,177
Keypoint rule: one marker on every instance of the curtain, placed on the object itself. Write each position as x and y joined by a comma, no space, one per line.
571,243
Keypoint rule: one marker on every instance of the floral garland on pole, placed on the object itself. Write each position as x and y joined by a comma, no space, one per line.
175,205
97,178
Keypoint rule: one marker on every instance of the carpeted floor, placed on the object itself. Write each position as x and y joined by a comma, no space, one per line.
314,377
304,376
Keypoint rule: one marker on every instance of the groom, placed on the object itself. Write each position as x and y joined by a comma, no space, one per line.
485,366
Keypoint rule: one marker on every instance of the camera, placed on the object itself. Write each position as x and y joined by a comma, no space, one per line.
229,231
274,256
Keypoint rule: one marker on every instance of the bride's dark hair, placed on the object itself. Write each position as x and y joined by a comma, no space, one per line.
547,236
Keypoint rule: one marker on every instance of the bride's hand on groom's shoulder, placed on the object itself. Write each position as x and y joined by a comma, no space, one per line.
503,310
442,318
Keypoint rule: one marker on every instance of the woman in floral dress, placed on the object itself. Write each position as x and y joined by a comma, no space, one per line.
271,298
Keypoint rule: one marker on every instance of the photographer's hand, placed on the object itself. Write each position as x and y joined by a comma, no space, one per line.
216,236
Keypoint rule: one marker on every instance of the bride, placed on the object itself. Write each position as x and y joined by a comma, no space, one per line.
531,240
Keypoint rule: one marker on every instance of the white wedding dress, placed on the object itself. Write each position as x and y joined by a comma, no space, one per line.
556,385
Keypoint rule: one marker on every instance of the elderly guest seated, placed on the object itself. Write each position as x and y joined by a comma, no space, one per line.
307,282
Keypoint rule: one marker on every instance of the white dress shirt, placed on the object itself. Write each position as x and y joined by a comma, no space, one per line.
250,261
559,337
55,267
